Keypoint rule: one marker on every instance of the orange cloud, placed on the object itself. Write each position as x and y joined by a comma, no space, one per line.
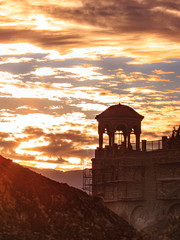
162,72
63,62
87,29
138,76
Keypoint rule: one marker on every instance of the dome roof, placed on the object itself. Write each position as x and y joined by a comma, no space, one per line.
119,111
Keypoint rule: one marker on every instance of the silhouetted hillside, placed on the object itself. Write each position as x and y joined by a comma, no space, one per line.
35,207
73,178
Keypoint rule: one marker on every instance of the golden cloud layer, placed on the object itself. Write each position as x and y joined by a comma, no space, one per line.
63,62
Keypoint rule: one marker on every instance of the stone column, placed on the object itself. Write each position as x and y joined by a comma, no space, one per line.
164,142
100,139
125,145
144,145
138,141
112,142
129,140
110,139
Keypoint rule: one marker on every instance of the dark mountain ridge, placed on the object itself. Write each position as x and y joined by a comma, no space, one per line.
35,207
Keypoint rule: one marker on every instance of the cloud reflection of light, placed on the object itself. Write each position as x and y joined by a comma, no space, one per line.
46,71
64,62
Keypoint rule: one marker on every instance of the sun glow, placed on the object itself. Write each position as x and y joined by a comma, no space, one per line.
46,165
42,22
74,160
20,48
28,146
64,62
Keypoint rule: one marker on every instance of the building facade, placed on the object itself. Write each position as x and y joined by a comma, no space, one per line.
138,181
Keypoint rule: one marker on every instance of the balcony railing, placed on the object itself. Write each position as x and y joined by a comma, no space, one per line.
150,145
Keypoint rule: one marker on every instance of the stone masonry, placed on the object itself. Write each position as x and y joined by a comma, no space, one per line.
141,186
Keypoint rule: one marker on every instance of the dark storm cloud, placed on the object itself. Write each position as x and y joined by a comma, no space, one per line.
154,135
17,68
113,18
39,37
160,17
10,104
34,132
4,135
61,144
83,153
32,105
150,134
138,30
7,145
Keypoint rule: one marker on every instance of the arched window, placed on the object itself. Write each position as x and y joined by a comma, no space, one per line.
120,135
133,139
105,137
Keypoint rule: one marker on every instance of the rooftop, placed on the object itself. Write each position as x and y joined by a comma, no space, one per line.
119,111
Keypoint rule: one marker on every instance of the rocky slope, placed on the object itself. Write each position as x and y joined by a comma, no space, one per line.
35,207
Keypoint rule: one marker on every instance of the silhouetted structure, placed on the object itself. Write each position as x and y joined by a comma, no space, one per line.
140,183
119,121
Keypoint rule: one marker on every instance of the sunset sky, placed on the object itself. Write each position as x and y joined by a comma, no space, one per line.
64,62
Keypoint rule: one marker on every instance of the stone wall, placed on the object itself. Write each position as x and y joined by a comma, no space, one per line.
142,187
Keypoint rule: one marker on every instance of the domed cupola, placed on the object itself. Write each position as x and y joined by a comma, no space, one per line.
119,120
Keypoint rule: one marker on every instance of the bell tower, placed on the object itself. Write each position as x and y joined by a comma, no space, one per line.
139,183
119,122
117,169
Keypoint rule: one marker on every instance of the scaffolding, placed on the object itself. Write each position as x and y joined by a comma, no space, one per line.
87,180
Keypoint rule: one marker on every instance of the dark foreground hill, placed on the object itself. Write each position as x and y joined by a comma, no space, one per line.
35,207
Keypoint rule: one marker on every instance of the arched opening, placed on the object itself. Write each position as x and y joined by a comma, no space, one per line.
120,136
139,217
119,125
105,137
133,139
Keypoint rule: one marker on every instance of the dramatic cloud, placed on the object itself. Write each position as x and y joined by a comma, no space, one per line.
64,62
